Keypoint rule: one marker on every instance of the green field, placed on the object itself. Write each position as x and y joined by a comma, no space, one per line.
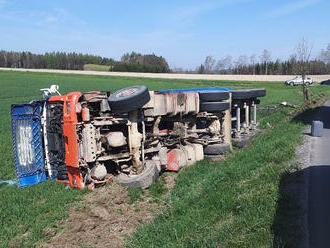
94,67
228,204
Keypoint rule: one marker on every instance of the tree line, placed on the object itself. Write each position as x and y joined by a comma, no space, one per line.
264,65
134,62
54,60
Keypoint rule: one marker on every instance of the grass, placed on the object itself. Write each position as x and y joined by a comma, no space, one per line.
230,203
94,67
158,189
134,194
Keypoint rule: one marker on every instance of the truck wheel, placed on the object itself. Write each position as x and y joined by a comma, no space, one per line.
258,92
213,106
144,179
243,141
213,96
216,149
128,99
214,158
241,94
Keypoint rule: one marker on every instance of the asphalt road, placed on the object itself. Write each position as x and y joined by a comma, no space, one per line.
319,184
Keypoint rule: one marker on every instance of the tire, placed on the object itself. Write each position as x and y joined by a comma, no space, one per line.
292,84
216,149
213,107
144,179
213,96
248,93
258,93
241,94
241,142
129,99
244,140
214,158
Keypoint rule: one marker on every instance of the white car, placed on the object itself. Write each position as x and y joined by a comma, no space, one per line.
298,80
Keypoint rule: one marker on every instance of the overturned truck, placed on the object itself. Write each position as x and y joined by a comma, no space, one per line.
83,140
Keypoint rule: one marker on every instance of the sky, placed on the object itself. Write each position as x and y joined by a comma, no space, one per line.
184,32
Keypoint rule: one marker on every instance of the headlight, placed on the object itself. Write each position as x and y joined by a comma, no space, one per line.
24,143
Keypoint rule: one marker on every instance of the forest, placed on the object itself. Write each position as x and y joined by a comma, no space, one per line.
263,64
75,61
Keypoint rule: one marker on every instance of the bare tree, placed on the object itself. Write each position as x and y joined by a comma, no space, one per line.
228,61
209,64
325,55
220,66
243,59
253,59
224,65
240,63
265,59
303,54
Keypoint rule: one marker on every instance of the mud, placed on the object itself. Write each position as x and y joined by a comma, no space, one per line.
104,218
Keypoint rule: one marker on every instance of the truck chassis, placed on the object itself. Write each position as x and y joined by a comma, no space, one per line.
134,134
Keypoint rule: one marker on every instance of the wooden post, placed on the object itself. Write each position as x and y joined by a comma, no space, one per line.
227,124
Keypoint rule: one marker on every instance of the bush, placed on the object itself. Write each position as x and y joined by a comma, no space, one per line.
136,62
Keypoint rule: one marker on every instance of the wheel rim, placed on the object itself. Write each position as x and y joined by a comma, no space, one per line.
127,92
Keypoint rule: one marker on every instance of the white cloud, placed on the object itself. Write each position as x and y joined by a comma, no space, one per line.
291,7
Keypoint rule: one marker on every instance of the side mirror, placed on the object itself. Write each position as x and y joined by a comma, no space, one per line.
52,90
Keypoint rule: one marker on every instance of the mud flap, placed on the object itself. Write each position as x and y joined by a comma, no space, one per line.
28,143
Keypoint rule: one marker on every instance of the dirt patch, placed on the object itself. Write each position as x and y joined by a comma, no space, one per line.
169,180
104,218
